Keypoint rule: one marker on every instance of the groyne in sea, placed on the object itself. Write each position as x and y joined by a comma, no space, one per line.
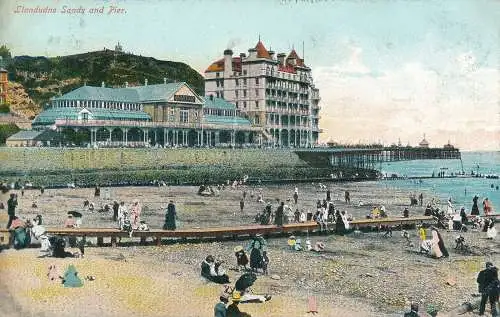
55,167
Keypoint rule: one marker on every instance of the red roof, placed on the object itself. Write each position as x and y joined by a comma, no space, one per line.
262,52
293,55
218,66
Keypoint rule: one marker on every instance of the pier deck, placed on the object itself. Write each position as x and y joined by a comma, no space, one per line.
219,233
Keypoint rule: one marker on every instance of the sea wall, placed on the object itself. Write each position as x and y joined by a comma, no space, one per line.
52,167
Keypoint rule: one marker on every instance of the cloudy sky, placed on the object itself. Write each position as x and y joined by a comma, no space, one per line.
386,69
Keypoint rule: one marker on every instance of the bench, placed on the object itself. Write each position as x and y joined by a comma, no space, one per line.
217,233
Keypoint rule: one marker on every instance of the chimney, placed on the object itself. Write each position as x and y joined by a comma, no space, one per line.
252,53
102,84
281,58
228,63
126,84
145,82
271,54
164,80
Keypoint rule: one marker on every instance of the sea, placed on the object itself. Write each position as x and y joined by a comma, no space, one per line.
461,189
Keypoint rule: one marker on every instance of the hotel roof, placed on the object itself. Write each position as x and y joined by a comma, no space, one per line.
218,103
48,117
137,94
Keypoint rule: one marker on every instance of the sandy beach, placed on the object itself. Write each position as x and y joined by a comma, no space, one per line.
357,275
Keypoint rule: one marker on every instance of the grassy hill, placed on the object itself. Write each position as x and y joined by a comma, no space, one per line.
45,77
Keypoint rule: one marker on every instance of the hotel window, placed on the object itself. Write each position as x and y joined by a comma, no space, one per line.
256,81
222,94
237,104
217,75
236,93
217,83
256,104
184,116
244,72
256,92
217,94
237,82
244,104
244,93
244,81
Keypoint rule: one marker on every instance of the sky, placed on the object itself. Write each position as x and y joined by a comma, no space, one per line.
387,70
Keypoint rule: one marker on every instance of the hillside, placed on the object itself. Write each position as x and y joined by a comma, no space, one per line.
44,77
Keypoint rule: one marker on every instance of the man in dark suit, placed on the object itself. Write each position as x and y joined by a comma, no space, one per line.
485,280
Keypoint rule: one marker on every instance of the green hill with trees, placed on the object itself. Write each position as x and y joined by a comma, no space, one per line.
45,77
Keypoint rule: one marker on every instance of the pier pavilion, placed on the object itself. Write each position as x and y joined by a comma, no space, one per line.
155,115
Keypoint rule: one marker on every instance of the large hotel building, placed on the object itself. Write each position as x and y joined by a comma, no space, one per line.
275,92
254,100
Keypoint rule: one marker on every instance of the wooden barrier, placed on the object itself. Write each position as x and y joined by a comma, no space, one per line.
221,232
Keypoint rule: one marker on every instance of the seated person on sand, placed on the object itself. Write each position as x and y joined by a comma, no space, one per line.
491,232
428,210
383,214
233,310
70,222
211,270
375,213
243,285
19,235
406,213
58,244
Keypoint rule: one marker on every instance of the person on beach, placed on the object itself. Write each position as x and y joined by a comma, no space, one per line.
491,233
328,195
70,222
11,208
487,207
212,271
487,281
309,216
463,215
135,214
421,199
450,209
242,204
302,216
97,191
122,213
438,247
413,311
116,206
475,208
170,217
339,223
243,285
220,309
233,310
347,197
241,258
278,220
406,213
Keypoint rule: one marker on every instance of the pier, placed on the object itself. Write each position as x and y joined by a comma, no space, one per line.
369,157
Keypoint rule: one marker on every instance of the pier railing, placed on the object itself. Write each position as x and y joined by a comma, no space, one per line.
368,157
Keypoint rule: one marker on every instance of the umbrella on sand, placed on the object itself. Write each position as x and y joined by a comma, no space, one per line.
245,281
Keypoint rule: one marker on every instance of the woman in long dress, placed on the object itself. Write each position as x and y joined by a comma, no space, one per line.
135,214
475,208
438,249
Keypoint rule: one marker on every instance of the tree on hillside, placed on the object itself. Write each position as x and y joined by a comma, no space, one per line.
6,130
5,52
